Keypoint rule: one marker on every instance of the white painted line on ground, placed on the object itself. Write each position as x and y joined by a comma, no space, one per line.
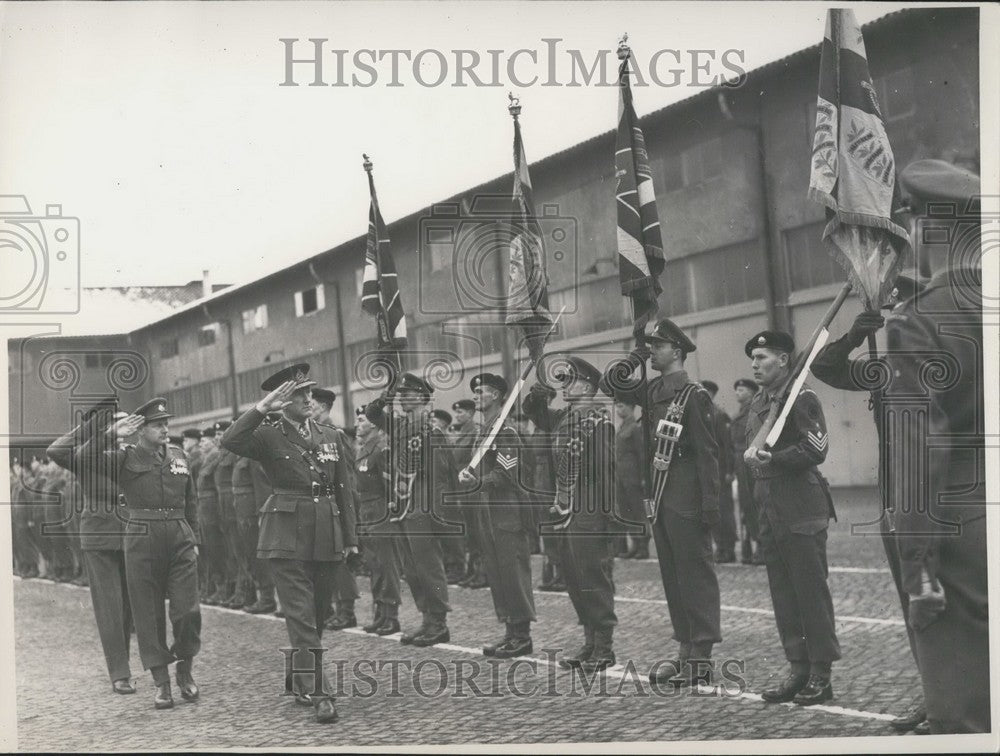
740,565
613,672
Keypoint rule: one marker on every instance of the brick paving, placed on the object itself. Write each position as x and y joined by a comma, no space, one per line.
65,702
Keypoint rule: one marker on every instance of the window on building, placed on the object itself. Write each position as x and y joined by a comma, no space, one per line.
896,97
309,301
169,348
255,319
91,360
808,261
726,276
702,161
206,335
676,283
668,175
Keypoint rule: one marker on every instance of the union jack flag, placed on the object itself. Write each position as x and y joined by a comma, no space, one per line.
380,290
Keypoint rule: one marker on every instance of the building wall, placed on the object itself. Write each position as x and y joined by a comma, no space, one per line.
712,197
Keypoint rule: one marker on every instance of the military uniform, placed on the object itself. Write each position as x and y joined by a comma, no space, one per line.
744,484
212,563
307,524
260,568
629,488
371,473
505,527
795,509
160,541
245,507
101,534
227,523
724,534
688,506
463,447
934,420
536,408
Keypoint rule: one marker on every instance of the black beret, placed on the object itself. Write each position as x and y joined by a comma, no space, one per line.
779,340
441,414
711,386
411,382
576,367
668,331
208,432
492,380
324,395
298,373
191,433
939,181
175,440
222,425
464,404
153,410
746,383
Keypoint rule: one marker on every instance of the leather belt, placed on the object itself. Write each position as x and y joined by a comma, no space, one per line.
317,490
155,514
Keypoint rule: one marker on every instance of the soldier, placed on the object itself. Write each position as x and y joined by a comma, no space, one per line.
211,565
345,590
23,537
308,523
934,420
536,408
630,487
505,524
795,509
245,506
688,507
379,551
463,447
161,541
101,531
442,419
745,389
227,593
584,504
191,443
420,471
452,544
724,534
260,570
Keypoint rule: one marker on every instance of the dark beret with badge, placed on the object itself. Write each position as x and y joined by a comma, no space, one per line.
493,381
747,383
153,410
669,332
442,415
298,373
324,396
939,181
464,404
779,341
221,426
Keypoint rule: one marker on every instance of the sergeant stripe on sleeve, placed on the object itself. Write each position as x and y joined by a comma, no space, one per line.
507,463
819,440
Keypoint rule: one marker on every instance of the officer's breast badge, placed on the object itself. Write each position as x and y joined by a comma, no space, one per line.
328,453
178,467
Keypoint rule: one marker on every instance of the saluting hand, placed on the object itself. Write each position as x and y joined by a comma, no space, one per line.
278,399
126,426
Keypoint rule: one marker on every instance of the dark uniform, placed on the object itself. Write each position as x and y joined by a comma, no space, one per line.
245,506
260,568
161,536
935,422
307,524
226,595
795,510
101,535
536,408
744,486
724,533
506,528
688,507
629,488
212,564
374,531
463,447
419,453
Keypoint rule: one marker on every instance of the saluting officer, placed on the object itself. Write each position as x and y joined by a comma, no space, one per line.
420,469
795,509
505,523
374,530
584,505
688,508
308,523
161,553
935,417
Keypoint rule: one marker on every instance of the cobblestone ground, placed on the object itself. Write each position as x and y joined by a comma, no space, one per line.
430,696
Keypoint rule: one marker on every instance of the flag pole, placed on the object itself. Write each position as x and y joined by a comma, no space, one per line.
511,398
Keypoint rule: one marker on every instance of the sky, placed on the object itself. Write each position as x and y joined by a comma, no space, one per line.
163,126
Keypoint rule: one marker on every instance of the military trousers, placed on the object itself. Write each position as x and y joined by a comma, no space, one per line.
230,537
161,566
891,545
724,533
797,576
383,563
472,537
506,553
419,553
345,585
749,516
304,589
244,506
953,650
587,561
248,526
212,558
112,610
684,551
